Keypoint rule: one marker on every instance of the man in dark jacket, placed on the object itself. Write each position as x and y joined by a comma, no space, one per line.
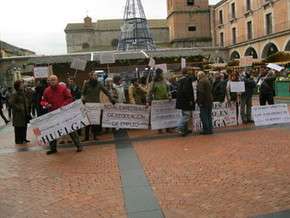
205,102
267,91
246,98
91,94
185,101
219,88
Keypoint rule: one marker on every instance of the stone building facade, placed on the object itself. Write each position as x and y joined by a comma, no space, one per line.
255,28
8,50
104,34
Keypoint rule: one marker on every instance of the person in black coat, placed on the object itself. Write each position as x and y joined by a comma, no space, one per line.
266,81
246,97
219,88
185,100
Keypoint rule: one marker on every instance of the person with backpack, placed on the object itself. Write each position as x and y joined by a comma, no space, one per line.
185,100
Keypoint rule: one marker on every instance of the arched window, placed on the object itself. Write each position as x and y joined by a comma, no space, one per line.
287,48
251,52
269,50
85,45
235,55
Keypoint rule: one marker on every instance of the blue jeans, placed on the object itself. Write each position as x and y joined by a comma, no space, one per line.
206,119
182,124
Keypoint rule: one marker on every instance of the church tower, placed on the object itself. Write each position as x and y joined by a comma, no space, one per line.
189,23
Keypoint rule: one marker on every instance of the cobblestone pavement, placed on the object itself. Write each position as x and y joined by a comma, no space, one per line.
68,184
238,174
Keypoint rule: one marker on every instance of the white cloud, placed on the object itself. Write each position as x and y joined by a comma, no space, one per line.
39,25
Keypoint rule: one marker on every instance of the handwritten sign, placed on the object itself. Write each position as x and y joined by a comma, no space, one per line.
270,114
94,112
78,64
125,116
164,114
223,115
237,86
41,72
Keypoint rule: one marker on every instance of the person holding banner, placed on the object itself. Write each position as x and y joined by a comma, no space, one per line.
185,101
205,102
137,93
56,96
20,113
91,94
159,90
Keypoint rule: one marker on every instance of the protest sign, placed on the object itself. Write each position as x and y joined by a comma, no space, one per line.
270,114
78,64
164,115
223,115
107,58
183,63
237,86
94,112
41,72
60,122
275,67
246,61
125,116
151,63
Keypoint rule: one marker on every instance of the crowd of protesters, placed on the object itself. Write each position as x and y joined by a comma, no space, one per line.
191,89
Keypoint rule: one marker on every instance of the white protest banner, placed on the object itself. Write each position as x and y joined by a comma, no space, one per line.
237,86
107,58
270,114
151,63
223,115
125,116
94,112
60,122
78,64
246,61
41,72
164,114
275,67
183,63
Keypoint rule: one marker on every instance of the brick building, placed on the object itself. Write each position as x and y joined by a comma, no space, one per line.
255,28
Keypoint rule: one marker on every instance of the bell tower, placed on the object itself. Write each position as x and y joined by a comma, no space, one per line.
189,23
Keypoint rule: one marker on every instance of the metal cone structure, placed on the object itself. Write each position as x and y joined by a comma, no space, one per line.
135,34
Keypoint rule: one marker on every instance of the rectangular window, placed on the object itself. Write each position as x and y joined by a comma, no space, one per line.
192,28
250,29
190,2
233,10
234,36
269,23
221,39
249,5
221,19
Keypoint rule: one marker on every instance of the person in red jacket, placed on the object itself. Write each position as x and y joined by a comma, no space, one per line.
55,96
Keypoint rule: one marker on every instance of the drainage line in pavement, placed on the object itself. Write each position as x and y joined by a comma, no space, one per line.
138,195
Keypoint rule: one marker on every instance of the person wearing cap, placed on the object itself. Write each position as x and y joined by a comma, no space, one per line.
205,102
91,94
185,100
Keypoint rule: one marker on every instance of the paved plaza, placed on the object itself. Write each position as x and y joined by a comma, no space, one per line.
238,172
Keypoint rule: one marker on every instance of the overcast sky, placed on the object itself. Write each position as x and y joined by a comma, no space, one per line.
39,25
